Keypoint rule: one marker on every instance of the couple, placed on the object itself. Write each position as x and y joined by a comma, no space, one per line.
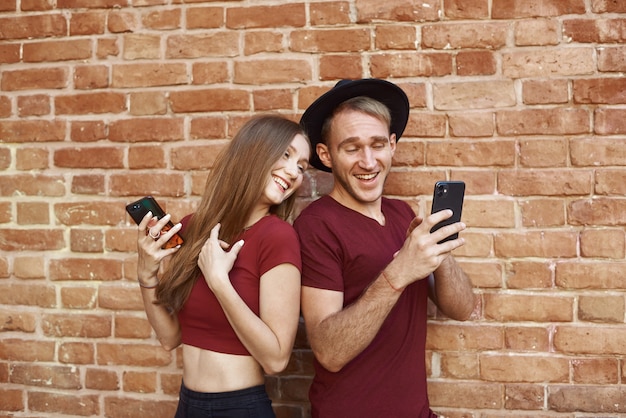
231,294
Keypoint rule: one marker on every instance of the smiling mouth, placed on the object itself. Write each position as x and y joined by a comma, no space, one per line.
366,176
282,183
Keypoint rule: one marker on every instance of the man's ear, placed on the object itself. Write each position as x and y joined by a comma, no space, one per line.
392,143
324,154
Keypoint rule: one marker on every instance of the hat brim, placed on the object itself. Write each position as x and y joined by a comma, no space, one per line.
383,91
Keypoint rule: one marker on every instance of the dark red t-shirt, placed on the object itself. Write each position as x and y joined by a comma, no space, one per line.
268,243
345,251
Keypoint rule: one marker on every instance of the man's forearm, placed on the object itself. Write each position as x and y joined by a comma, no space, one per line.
453,290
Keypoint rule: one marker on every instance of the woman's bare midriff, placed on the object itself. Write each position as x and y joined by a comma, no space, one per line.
210,371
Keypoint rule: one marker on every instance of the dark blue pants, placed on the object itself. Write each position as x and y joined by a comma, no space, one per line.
245,403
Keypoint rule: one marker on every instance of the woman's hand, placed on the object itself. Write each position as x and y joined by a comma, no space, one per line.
215,262
149,243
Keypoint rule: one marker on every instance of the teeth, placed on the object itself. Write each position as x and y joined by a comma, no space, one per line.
365,176
281,182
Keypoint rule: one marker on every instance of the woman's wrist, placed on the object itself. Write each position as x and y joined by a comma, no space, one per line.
148,284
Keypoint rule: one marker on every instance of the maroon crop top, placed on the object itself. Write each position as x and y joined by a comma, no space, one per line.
267,244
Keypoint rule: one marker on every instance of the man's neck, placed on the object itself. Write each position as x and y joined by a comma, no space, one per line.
371,210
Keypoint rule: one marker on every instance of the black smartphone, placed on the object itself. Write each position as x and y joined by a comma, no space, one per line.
137,210
448,195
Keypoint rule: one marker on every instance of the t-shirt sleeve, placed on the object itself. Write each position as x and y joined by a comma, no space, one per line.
280,245
321,253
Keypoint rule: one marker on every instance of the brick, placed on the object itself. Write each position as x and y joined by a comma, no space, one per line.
471,63
529,275
594,30
272,99
71,404
413,64
35,105
78,297
496,213
511,307
548,244
600,91
583,398
29,295
9,53
162,19
474,124
544,182
32,131
85,269
604,309
93,157
194,158
395,37
397,11
5,107
548,63
484,274
107,48
31,158
422,124
140,157
33,26
209,100
466,9
84,326
132,355
596,371
331,40
257,42
148,103
29,267
600,211
608,6
88,184
209,73
161,184
204,17
590,275
102,380
122,21
14,349
31,185
597,152
476,245
545,91
453,153
537,32
476,395
515,9
610,121
141,382
525,338
86,241
524,369
344,66
196,46
89,212
96,4
118,298
148,75
525,397
330,13
87,23
411,183
478,95
13,321
146,130
34,79
90,77
87,131
603,243
76,353
464,35
86,103
542,212
131,407
610,58
282,15
610,182
51,51
459,366
58,377
12,400
32,213
271,71
409,153
132,327
464,338
541,153
35,240
542,121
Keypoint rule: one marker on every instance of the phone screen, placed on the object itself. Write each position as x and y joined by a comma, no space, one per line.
137,210
448,195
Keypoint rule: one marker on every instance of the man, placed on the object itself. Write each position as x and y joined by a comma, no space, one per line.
369,264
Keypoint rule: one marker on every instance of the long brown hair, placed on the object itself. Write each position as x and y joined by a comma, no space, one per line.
233,188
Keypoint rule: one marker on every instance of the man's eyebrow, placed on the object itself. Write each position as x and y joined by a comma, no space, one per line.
353,139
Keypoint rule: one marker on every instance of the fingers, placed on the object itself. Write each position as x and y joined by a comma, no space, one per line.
425,226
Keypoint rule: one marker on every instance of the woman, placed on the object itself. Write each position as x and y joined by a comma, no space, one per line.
234,308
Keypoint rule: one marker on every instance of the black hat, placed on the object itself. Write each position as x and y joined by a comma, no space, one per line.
385,92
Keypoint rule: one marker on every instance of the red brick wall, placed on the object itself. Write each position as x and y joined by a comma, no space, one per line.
103,101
